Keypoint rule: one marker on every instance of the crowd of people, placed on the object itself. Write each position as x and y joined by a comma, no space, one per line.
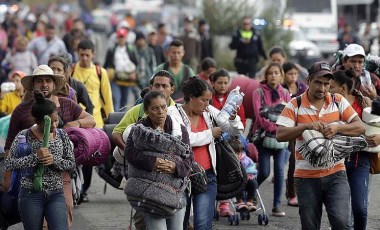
178,118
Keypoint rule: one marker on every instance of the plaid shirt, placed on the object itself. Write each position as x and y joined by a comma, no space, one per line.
22,117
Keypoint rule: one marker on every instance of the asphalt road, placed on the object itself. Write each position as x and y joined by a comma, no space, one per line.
111,211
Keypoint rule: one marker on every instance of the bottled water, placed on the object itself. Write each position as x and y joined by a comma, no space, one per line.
234,100
23,149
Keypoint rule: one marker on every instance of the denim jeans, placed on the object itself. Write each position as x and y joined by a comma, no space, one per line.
332,191
358,179
34,206
279,158
154,222
204,204
120,95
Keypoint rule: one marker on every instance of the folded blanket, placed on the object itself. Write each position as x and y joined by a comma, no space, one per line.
322,152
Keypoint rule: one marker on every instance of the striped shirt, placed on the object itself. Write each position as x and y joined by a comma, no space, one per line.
334,109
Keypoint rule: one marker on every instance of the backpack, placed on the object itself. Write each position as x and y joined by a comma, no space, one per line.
91,145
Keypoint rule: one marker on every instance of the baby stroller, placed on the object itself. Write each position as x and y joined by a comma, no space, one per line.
233,219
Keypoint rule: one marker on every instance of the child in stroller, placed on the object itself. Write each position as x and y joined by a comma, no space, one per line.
249,193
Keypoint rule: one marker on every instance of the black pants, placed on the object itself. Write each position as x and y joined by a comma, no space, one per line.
87,176
250,188
246,66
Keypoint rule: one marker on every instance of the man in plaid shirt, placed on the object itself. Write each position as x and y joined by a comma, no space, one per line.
318,186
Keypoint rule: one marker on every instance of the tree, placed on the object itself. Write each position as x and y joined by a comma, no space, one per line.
224,18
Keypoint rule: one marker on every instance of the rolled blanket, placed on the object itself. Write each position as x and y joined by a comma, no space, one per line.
322,152
145,138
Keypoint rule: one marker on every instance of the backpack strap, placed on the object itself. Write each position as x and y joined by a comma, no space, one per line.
98,73
141,113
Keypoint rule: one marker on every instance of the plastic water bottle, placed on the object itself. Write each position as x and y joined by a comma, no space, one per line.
234,100
365,79
23,149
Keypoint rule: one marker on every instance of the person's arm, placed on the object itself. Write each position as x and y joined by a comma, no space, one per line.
85,120
105,88
129,118
289,133
183,167
262,122
354,128
288,127
235,41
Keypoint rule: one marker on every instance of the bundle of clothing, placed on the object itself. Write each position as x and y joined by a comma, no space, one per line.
159,193
322,152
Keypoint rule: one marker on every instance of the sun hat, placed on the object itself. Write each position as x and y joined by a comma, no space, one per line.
372,126
353,50
40,71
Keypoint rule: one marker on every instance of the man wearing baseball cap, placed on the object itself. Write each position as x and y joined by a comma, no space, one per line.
315,110
365,82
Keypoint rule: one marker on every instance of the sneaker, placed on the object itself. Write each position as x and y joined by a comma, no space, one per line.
277,212
293,202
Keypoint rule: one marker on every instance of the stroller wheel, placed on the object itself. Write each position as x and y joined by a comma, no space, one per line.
216,215
260,219
236,219
265,219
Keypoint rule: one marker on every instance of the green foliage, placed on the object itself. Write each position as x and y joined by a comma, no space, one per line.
224,16
274,34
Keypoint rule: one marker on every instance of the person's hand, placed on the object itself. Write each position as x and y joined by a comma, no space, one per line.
369,91
330,130
373,140
216,132
317,126
45,157
164,166
72,124
234,113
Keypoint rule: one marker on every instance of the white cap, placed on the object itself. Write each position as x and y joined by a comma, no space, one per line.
353,50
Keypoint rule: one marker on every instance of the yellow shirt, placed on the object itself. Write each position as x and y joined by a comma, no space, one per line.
9,102
94,86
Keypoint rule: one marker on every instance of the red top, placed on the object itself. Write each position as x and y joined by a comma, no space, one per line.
201,154
220,103
357,107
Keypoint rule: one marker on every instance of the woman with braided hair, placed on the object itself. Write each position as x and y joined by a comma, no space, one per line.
49,201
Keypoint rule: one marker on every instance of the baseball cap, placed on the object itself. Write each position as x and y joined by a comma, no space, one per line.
122,33
320,69
353,50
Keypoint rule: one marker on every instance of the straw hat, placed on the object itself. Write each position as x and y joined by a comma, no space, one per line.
40,71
